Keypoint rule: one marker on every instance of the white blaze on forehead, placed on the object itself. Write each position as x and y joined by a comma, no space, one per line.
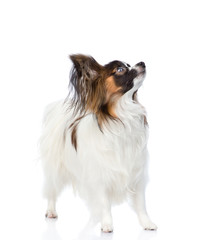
127,65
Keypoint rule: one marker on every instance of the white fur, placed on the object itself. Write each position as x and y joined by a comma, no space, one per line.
107,168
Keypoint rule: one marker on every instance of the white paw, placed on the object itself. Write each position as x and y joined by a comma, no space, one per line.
146,223
51,214
107,228
150,226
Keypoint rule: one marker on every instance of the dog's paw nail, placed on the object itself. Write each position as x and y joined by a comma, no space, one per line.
107,229
150,227
51,215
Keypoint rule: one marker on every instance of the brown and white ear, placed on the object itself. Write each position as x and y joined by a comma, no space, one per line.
86,66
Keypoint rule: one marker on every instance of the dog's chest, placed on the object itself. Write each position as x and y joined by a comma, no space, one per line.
125,140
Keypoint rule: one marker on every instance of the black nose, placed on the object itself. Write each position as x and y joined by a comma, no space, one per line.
141,64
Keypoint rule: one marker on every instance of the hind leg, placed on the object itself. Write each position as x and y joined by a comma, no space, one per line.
106,217
51,192
51,209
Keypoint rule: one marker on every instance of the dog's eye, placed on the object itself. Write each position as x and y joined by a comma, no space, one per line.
120,69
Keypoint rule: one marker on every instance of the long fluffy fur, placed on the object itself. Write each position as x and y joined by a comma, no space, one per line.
108,163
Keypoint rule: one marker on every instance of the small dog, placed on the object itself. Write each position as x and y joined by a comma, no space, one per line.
96,140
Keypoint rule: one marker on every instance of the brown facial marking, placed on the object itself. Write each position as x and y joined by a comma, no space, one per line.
112,95
111,87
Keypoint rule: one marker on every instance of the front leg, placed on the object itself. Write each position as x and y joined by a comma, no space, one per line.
138,202
100,208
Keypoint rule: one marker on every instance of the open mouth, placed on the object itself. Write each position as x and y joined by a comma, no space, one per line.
141,72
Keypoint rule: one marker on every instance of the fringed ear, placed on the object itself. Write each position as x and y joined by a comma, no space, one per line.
86,66
87,90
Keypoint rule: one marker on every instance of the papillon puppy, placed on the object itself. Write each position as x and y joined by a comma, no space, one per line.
96,140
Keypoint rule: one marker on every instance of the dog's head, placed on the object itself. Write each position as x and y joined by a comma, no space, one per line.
97,88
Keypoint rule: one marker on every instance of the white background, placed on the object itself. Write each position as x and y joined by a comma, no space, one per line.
182,44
